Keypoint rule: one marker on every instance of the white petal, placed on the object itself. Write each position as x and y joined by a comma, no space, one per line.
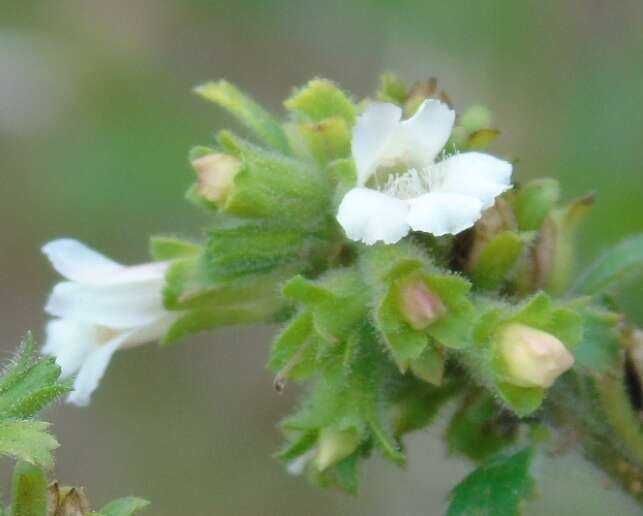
92,370
476,174
70,342
152,331
369,216
444,213
77,262
428,130
373,129
118,306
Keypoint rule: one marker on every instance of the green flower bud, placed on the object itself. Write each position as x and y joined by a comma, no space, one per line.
533,358
334,445
216,173
420,307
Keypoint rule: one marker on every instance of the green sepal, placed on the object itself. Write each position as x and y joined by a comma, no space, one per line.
522,400
199,151
170,248
480,428
404,342
188,286
199,320
293,354
496,261
298,446
538,312
247,111
274,187
319,100
235,252
29,491
416,404
344,474
126,506
534,202
496,488
337,301
481,139
327,140
472,130
392,89
429,366
559,233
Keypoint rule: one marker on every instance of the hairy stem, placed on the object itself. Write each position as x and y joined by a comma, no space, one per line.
597,411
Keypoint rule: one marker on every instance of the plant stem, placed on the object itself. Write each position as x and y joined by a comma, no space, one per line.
598,412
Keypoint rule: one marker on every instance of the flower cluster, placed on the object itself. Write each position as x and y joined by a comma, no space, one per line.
407,267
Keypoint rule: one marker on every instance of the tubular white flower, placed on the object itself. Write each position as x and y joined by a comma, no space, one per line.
400,186
102,307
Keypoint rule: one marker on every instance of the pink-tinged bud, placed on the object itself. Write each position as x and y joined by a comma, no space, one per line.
334,445
420,307
533,358
215,173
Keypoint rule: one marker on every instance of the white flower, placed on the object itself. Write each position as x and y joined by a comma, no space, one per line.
400,186
102,307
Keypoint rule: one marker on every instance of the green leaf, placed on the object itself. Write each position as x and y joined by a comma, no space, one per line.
599,349
124,506
497,260
496,488
29,384
321,99
617,265
247,111
29,491
28,441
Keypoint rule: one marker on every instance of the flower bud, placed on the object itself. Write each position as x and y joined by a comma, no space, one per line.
215,173
420,307
334,445
533,358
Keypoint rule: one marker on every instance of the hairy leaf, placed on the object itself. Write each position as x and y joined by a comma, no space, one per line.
496,488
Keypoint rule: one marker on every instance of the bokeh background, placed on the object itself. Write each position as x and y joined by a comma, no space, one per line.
97,115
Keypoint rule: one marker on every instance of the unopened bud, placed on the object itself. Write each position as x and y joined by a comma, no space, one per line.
215,173
334,445
420,307
533,358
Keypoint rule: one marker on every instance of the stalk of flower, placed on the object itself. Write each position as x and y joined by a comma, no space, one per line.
400,184
103,306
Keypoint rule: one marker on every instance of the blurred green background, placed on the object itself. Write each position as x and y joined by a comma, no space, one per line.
97,115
